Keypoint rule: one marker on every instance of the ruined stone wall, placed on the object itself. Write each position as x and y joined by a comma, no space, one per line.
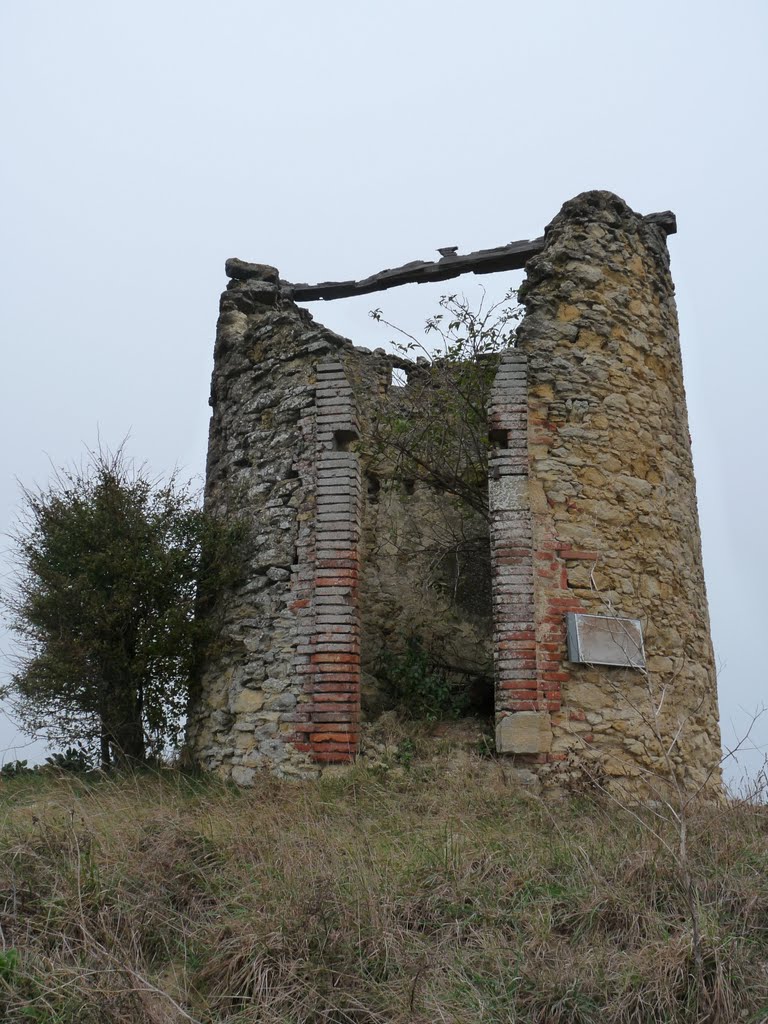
611,494
425,558
592,509
280,685
326,565
426,578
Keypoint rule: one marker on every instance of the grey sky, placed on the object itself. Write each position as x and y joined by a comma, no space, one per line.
146,142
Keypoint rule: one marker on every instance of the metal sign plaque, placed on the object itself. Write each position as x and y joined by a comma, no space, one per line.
605,640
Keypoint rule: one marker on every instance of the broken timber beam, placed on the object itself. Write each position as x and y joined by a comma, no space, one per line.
485,261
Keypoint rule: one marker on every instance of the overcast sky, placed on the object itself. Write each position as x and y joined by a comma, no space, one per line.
146,142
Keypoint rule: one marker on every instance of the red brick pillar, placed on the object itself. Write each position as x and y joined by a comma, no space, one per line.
334,651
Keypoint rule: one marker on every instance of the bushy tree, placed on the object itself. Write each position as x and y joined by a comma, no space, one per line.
111,567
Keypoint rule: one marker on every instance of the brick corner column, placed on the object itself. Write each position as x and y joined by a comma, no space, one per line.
333,670
522,713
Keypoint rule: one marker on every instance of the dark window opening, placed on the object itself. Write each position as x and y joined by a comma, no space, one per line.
499,438
481,697
374,486
342,439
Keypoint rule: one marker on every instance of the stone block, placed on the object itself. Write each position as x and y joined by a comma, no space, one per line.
508,494
242,776
247,701
526,732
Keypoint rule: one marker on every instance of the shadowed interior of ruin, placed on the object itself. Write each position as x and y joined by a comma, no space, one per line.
425,578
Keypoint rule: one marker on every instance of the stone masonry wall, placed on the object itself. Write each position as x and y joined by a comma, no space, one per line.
280,687
425,557
425,575
612,496
592,509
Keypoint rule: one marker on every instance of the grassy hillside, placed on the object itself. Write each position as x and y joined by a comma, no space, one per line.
433,892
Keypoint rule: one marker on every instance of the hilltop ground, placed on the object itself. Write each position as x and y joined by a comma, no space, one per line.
415,890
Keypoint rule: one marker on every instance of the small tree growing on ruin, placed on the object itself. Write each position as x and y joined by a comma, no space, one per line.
110,566
432,429
436,428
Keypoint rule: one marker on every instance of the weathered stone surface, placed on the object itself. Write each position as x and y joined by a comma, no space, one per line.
613,493
242,776
244,271
247,701
525,732
261,469
508,493
592,509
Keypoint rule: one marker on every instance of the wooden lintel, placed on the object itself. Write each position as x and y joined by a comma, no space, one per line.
485,261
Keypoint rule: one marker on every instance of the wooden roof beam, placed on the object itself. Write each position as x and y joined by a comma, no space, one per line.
485,261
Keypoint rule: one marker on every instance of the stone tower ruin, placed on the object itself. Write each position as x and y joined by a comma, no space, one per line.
577,605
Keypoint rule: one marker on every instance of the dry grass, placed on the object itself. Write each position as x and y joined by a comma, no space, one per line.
437,894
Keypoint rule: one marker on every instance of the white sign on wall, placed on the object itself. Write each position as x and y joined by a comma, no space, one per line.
605,640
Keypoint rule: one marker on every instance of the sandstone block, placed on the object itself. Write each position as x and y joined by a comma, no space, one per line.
526,732
247,701
242,776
